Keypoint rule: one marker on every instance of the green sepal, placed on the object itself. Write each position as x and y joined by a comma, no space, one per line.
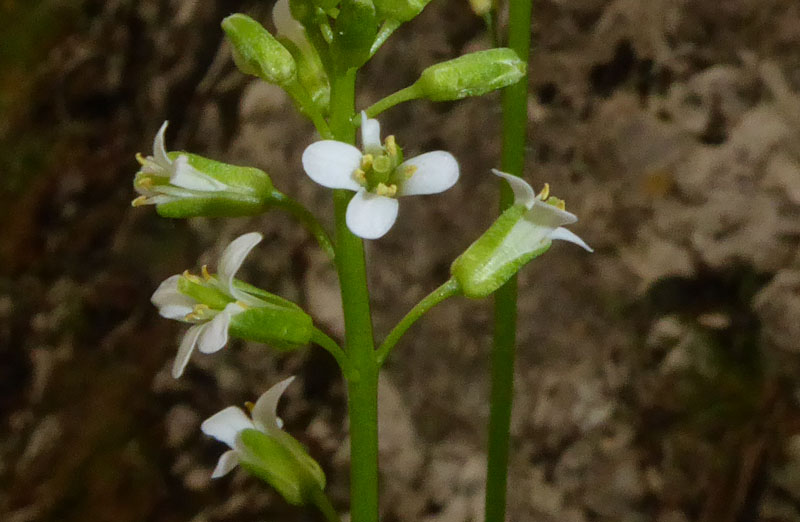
356,28
280,327
400,10
257,52
265,296
204,293
266,458
491,261
473,74
249,191
311,75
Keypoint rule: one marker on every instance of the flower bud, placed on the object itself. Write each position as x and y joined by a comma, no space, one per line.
400,10
257,52
356,27
471,75
278,459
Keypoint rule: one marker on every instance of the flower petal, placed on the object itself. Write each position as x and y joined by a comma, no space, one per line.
226,463
159,150
547,215
370,216
370,133
523,193
214,336
287,26
185,176
226,424
186,348
332,163
264,412
171,303
567,235
436,172
232,258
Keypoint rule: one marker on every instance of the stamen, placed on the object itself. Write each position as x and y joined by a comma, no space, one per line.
366,161
145,182
141,159
360,176
243,304
138,202
391,145
545,193
383,190
409,171
191,277
249,405
205,273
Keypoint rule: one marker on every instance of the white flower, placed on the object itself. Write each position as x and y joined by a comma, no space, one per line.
227,425
543,220
378,176
523,231
210,329
163,180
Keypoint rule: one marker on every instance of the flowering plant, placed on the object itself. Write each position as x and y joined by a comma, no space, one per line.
319,47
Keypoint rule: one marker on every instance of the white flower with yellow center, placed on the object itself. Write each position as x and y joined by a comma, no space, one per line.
210,325
378,175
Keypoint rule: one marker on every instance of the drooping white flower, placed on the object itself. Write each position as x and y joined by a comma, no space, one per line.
163,180
522,232
226,425
259,444
378,175
210,326
543,220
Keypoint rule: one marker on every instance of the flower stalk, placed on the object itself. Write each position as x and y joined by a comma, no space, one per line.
515,121
362,391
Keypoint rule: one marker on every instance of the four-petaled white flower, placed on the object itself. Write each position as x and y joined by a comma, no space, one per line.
378,175
210,329
163,179
227,425
542,221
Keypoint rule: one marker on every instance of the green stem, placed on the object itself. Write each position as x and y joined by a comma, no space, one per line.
322,339
320,499
403,95
448,289
306,218
307,107
351,266
515,120
386,30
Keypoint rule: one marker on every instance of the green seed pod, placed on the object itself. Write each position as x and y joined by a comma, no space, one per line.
257,52
400,10
473,74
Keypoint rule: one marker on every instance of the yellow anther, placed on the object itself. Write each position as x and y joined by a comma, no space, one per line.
191,277
205,273
391,145
409,171
138,202
249,405
545,193
141,159
145,182
360,176
561,204
386,190
366,161
243,304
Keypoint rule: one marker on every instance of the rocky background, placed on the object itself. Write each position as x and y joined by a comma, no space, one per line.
657,379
